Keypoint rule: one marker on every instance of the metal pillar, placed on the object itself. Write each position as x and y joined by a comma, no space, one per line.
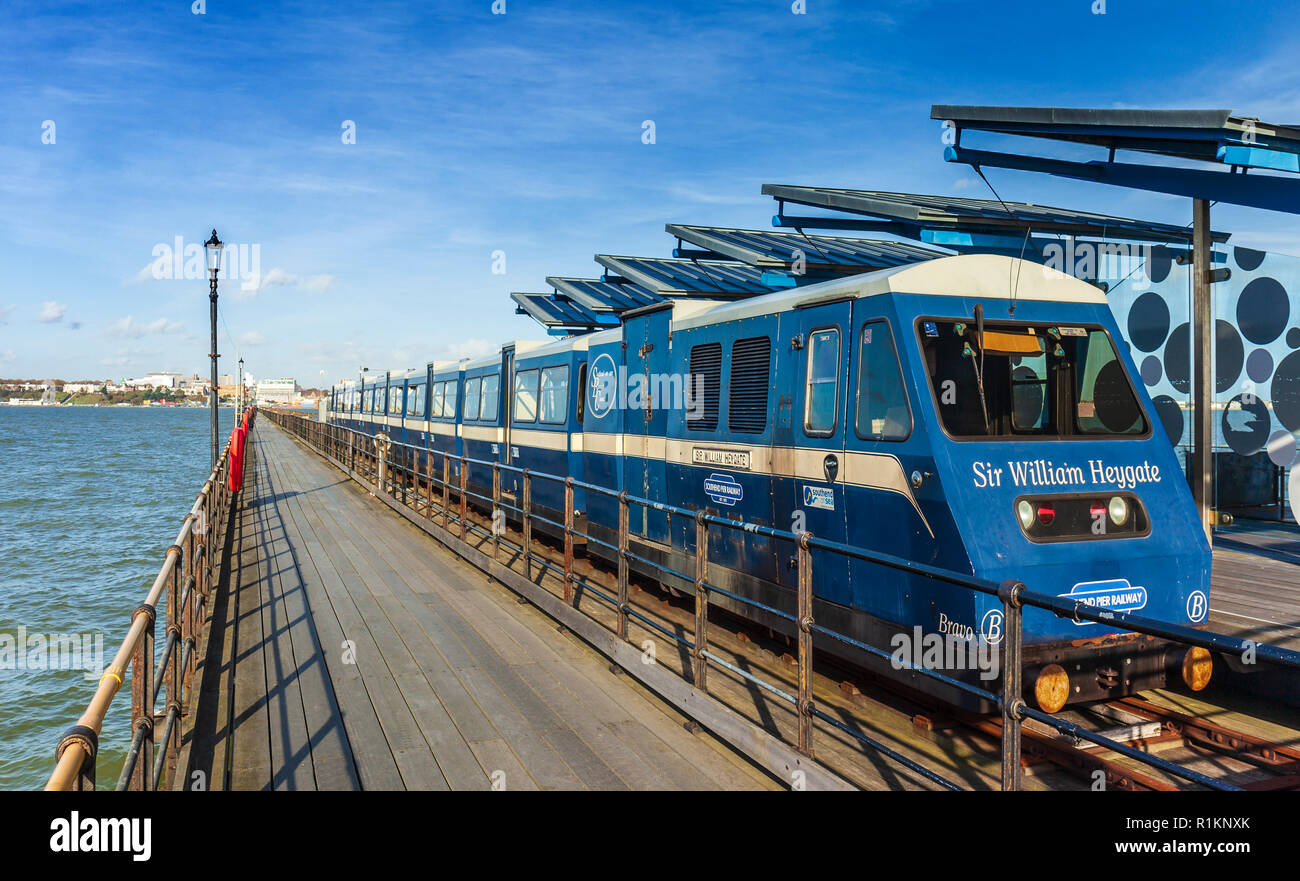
212,299
1202,471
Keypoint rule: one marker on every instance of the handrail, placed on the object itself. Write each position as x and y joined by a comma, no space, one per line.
356,453
187,586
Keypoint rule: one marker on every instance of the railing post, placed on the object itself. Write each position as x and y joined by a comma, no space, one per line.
498,517
568,540
177,624
622,564
526,506
446,491
142,678
1012,702
428,475
700,663
381,464
464,471
805,622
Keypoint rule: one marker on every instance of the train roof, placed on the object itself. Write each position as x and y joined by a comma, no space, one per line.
986,276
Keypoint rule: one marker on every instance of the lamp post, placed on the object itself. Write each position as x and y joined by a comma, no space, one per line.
239,394
213,248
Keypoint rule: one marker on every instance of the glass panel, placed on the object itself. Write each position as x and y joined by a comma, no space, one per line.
472,387
491,388
555,394
449,399
822,393
882,400
526,396
435,403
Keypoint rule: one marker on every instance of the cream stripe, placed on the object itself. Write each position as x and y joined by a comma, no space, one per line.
546,440
482,433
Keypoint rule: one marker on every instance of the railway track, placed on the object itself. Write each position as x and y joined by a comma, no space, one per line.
1245,759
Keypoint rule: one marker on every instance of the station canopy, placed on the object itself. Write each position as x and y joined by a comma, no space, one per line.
599,295
674,277
952,221
1232,144
822,255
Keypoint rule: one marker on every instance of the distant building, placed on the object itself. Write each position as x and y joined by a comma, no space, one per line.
87,387
156,379
277,391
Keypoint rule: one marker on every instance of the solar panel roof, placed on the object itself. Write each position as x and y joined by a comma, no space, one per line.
675,277
1190,134
766,248
561,313
977,215
602,296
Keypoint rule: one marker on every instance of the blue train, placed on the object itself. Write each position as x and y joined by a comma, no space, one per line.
976,413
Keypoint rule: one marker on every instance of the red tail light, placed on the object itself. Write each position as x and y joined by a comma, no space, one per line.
1046,514
1097,511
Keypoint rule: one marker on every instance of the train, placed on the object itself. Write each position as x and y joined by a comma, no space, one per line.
975,413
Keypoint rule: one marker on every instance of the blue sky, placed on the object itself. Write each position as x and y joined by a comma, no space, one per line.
520,133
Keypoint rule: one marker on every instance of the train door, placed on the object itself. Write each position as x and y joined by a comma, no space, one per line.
507,394
645,358
811,489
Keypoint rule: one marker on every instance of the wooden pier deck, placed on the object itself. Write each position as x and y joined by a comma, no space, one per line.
352,651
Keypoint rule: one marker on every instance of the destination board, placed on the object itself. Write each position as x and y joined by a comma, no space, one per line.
738,459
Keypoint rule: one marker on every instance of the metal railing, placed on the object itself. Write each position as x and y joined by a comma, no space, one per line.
379,464
189,574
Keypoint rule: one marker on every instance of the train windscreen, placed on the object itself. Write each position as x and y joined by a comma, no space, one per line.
1028,381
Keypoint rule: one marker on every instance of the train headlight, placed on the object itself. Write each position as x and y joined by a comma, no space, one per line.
1025,512
1052,688
1118,511
1198,666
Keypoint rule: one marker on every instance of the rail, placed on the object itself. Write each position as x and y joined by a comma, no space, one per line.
380,461
189,573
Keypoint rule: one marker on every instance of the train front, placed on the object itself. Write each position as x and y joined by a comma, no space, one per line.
1056,468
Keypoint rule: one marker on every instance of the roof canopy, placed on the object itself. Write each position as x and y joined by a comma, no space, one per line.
787,250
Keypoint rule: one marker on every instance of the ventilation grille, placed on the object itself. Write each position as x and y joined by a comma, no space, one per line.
706,362
750,361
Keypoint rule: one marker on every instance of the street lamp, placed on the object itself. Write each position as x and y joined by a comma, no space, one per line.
239,393
213,248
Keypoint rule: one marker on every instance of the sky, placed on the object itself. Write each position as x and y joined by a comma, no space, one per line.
395,170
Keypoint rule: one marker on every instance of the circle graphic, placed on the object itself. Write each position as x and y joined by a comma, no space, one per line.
1259,365
1116,407
1197,606
1148,321
1162,260
1178,361
1263,310
1229,355
1286,392
1282,448
1248,258
1245,424
991,626
604,377
1151,370
1170,416
1293,337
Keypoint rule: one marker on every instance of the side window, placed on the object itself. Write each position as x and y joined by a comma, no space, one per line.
435,401
822,394
555,394
472,394
751,361
491,397
882,408
705,387
416,407
449,399
526,396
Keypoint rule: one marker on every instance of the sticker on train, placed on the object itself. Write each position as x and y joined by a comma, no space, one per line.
1114,594
738,459
723,489
819,497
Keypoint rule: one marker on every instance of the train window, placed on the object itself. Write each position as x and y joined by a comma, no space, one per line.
526,396
436,399
395,400
473,393
415,402
1029,381
822,395
751,360
491,387
705,387
882,411
449,399
554,403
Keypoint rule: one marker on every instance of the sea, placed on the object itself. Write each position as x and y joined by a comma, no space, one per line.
90,499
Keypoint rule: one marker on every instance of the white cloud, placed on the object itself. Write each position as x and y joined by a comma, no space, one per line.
145,274
52,312
252,338
277,277
470,348
129,328
5,312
